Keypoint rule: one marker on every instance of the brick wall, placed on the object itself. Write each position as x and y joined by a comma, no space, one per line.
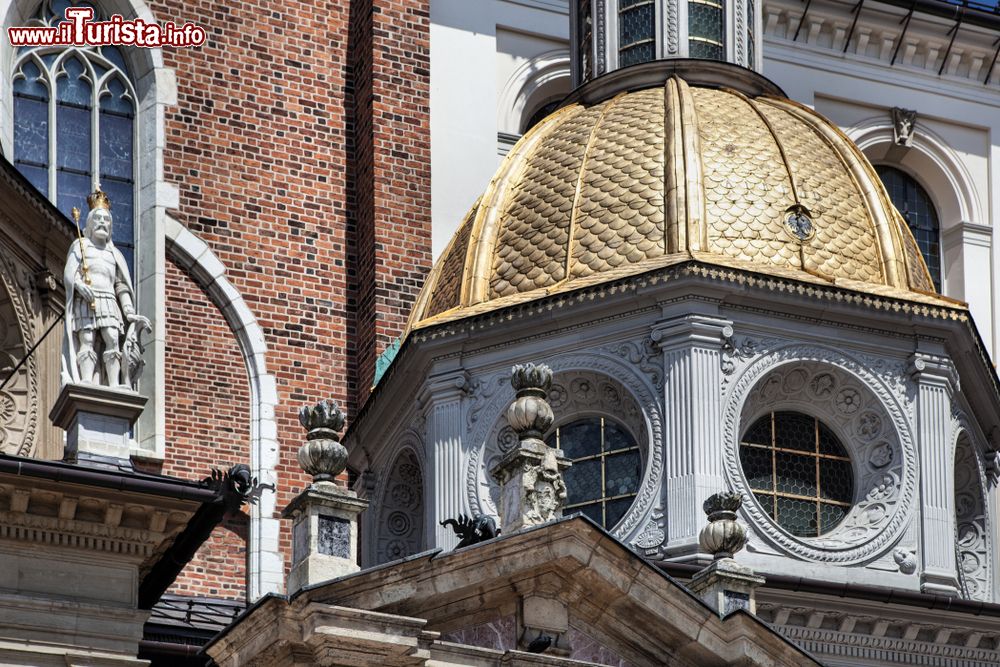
319,207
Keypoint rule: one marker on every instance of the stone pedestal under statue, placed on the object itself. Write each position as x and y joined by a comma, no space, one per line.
98,422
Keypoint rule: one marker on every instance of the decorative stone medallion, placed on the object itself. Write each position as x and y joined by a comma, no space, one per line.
867,419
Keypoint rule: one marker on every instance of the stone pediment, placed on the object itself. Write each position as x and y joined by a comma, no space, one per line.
596,601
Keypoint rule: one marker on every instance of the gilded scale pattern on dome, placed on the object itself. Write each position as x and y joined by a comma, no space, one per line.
449,281
532,245
619,217
844,243
746,185
668,174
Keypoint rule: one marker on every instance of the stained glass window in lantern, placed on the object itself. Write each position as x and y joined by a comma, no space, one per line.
706,23
606,471
74,124
636,32
913,202
751,54
798,471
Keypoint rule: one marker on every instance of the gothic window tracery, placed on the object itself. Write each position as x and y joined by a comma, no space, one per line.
74,123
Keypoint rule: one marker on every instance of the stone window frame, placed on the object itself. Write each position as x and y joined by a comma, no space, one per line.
884,463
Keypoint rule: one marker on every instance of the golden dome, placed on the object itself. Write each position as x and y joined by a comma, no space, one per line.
598,191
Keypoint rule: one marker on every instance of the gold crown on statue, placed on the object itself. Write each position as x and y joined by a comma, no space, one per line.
99,199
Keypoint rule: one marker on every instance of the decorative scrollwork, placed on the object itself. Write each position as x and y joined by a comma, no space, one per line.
849,398
972,541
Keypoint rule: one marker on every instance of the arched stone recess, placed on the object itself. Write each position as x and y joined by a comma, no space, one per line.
539,81
931,161
595,383
863,400
19,404
399,529
973,542
156,89
189,252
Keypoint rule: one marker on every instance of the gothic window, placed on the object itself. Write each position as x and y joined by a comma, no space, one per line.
74,124
706,23
798,471
636,32
606,471
913,202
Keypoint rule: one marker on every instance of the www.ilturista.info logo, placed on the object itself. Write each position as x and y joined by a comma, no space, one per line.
79,29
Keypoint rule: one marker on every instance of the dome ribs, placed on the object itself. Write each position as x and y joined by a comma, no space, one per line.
618,213
845,242
685,192
531,251
747,188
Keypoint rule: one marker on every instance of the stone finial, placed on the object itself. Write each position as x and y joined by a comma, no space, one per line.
725,585
322,455
532,490
724,535
530,414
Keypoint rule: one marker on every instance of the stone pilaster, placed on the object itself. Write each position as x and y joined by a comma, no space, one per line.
446,458
692,365
936,382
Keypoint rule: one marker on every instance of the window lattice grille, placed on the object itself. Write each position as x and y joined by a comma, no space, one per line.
607,468
799,472
913,202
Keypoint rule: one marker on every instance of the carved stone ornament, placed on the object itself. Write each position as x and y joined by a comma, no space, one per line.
103,339
723,536
613,381
906,559
19,407
972,539
903,122
857,400
322,455
532,490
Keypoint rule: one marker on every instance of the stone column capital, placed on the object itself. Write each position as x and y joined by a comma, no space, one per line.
444,387
934,370
687,330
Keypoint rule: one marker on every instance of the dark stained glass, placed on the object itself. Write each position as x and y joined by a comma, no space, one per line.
585,30
116,145
73,140
31,131
30,82
72,86
636,32
606,471
72,191
913,202
706,29
798,471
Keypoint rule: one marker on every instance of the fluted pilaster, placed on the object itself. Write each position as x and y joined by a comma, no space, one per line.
936,382
445,473
692,349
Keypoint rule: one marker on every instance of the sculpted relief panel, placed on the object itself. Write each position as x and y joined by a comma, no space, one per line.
400,528
866,415
972,543
19,396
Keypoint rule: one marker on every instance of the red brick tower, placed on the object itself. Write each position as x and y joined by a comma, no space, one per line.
300,147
